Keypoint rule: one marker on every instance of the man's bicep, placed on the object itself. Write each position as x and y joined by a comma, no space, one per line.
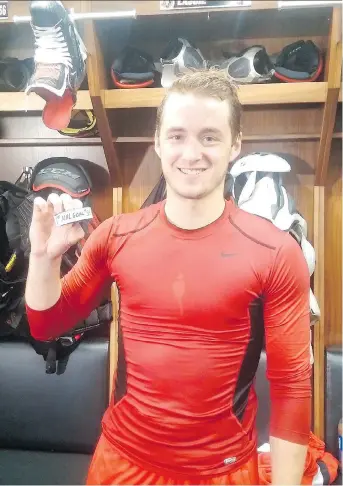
287,333
286,313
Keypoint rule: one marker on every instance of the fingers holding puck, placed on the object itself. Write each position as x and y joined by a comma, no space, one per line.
55,203
64,208
73,211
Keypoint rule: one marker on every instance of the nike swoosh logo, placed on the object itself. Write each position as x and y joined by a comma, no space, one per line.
227,255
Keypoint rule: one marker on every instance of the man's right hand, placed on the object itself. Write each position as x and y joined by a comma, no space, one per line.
47,239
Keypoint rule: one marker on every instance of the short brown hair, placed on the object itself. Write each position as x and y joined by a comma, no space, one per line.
211,83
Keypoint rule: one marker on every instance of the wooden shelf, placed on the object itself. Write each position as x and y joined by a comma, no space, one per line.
264,94
49,142
21,102
68,141
93,141
258,94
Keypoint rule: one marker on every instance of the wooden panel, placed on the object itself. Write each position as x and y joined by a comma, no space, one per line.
117,208
333,74
142,168
242,22
338,129
271,122
319,328
326,135
102,202
30,125
333,247
97,84
300,155
305,119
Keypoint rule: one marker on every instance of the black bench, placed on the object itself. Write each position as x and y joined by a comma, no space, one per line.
49,424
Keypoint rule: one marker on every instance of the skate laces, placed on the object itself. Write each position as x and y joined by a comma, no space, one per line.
51,47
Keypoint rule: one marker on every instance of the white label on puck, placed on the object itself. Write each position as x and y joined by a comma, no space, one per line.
73,215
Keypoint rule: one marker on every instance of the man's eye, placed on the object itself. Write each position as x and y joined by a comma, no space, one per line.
175,137
209,139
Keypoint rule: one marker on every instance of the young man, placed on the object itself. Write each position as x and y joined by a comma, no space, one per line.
202,284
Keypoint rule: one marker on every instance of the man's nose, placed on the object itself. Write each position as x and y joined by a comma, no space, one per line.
192,151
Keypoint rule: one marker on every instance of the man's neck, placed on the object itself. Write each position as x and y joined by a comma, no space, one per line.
191,214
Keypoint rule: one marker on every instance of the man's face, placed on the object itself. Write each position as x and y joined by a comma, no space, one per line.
195,144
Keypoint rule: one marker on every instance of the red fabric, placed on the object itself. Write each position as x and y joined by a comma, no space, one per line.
192,334
332,465
108,467
316,452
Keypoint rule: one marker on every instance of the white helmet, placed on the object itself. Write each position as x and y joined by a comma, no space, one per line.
250,66
178,58
257,188
259,196
260,162
257,183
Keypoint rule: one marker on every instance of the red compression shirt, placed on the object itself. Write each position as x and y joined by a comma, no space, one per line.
195,308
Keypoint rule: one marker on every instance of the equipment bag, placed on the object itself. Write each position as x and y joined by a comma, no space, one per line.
16,203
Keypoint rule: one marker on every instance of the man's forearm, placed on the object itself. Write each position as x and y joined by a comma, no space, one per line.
288,461
43,285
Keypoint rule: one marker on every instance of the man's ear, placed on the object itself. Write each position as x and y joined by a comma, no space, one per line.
157,145
236,147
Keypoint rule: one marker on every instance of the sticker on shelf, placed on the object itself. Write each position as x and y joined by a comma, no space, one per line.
3,10
189,4
73,216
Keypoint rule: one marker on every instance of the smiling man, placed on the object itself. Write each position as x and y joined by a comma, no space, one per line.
202,285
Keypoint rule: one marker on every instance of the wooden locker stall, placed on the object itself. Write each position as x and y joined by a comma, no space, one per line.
299,121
